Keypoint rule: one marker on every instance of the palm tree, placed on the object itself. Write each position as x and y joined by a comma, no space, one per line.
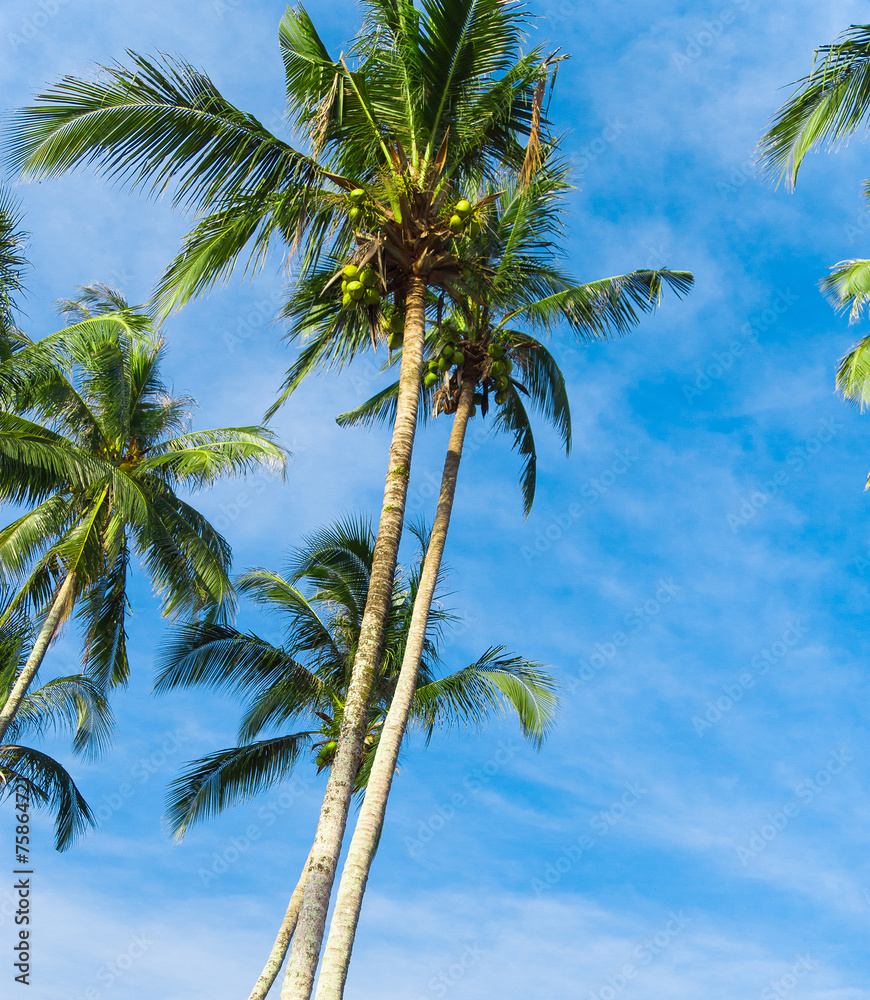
75,704
439,97
302,685
92,436
479,347
830,105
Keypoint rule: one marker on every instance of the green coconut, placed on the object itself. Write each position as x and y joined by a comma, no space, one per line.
350,271
397,324
508,366
371,296
430,380
478,399
502,396
497,368
502,382
444,365
357,195
354,214
394,341
446,351
462,207
369,277
356,290
474,228
456,223
473,412
495,351
346,300
458,358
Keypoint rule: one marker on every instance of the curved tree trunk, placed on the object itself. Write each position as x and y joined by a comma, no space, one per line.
282,942
54,618
365,839
302,965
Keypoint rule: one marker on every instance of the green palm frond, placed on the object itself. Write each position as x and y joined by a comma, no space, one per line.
49,785
228,777
75,704
848,287
471,695
830,104
200,458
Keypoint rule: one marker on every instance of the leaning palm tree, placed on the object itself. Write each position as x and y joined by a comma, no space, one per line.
484,355
91,436
74,704
302,685
431,99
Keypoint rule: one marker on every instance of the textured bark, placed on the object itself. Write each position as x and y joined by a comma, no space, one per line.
302,965
363,845
282,942
53,620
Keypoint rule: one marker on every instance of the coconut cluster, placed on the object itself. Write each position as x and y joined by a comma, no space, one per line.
359,286
492,366
462,219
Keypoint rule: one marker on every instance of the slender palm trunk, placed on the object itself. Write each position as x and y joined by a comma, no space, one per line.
53,620
364,843
302,964
282,942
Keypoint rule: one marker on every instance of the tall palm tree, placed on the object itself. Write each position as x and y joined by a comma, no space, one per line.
91,436
302,685
435,97
74,704
482,355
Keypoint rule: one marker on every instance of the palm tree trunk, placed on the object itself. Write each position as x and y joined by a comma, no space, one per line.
302,965
339,944
53,619
282,942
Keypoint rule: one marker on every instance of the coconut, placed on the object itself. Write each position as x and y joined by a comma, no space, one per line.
456,223
430,380
473,412
462,207
508,366
446,351
496,369
474,228
350,271
354,214
355,290
371,296
369,277
458,358
444,365
394,341
346,300
357,195
495,351
501,383
478,399
397,324
502,396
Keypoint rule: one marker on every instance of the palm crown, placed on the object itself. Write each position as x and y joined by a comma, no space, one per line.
320,603
92,436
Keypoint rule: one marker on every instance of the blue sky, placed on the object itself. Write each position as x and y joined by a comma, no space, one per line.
696,572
